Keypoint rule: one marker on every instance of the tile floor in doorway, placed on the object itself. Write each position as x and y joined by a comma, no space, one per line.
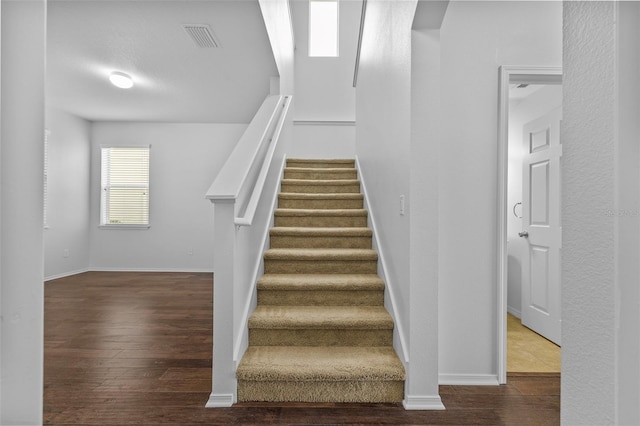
528,352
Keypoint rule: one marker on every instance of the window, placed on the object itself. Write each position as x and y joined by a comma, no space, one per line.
323,28
125,187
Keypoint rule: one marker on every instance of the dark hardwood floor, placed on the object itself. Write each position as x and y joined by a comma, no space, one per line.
135,348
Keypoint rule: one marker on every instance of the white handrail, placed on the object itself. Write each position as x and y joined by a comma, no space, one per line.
231,179
363,14
250,211
264,139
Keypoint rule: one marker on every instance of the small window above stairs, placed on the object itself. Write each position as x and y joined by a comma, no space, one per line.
320,332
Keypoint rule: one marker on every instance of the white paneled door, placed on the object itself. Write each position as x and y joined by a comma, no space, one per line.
541,226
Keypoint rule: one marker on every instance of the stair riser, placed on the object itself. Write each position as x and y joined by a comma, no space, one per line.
320,204
320,189
320,298
321,221
275,266
321,164
320,242
320,174
321,337
321,391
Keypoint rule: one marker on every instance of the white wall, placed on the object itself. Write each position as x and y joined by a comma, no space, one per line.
383,146
424,234
601,221
185,158
476,38
397,143
588,269
324,87
21,179
521,111
628,226
383,133
68,194
277,20
323,140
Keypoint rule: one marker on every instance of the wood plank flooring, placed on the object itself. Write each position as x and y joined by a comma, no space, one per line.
135,348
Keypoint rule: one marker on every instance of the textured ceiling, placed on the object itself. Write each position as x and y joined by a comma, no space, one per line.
176,81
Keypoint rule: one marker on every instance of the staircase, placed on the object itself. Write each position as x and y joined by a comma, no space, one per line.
320,332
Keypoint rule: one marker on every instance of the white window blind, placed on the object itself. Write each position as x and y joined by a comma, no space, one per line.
125,186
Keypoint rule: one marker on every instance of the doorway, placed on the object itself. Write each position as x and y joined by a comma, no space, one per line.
528,241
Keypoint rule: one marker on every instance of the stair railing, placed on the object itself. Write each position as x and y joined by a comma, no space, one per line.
238,177
275,130
243,195
363,14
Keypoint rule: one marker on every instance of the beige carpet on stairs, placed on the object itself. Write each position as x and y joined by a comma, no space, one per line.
320,332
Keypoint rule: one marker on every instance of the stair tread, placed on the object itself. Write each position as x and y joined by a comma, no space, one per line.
305,363
321,196
320,254
318,170
320,212
330,182
322,160
322,232
321,317
320,282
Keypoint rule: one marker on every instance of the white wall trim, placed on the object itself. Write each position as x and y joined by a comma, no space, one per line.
324,122
115,269
468,379
398,330
509,74
423,402
243,339
178,270
515,312
66,274
223,400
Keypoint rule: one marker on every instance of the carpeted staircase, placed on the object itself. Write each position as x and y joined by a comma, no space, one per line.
320,332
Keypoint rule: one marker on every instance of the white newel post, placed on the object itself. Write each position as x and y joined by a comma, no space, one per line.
223,377
241,181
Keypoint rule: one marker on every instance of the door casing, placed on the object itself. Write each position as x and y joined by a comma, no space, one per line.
509,75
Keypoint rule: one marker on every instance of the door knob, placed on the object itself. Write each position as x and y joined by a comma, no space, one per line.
523,234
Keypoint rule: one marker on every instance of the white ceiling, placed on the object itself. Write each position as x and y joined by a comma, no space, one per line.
175,80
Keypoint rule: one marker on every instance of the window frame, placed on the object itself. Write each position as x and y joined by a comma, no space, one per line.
103,189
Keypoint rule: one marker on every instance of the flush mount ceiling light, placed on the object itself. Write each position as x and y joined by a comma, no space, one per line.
121,80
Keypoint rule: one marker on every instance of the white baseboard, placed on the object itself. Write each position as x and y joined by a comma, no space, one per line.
110,269
516,313
423,402
223,400
66,274
468,379
179,270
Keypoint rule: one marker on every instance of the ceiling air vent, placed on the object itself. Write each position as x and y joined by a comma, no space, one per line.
202,35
